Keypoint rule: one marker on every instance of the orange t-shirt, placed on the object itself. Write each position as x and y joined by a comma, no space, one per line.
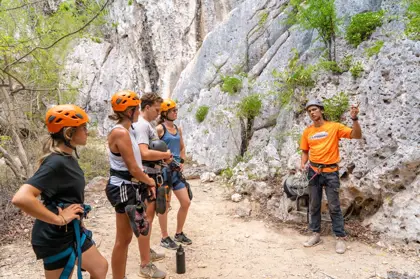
322,142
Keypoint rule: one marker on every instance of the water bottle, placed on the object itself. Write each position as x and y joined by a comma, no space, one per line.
180,260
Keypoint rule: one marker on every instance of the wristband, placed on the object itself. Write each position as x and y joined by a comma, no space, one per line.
355,119
65,223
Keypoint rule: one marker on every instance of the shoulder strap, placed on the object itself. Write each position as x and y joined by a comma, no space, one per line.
176,128
164,130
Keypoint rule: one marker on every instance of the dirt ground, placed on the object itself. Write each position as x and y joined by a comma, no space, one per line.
227,247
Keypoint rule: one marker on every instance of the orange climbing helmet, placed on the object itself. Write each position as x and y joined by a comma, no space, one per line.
123,99
61,116
167,104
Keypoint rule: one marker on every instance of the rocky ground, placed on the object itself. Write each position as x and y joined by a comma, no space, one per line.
227,246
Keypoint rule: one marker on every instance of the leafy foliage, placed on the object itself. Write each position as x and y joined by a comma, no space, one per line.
319,15
375,49
346,62
357,69
263,18
201,113
293,80
250,106
336,106
413,14
34,38
227,173
93,159
231,85
362,26
330,66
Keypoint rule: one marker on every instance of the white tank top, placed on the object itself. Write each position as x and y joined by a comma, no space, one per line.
117,163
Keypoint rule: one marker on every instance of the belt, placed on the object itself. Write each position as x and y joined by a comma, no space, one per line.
319,167
126,175
150,170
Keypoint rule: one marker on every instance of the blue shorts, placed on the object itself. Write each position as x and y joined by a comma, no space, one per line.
177,183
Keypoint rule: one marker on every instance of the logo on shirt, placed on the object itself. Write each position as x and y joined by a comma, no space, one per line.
319,135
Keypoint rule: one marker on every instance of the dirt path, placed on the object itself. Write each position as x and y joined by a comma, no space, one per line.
227,247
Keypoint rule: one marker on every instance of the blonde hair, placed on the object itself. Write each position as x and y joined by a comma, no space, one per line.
50,146
52,141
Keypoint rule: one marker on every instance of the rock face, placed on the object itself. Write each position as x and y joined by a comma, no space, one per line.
184,49
147,46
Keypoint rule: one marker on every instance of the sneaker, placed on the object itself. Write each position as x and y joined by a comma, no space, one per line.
340,246
168,243
314,240
151,271
182,238
155,256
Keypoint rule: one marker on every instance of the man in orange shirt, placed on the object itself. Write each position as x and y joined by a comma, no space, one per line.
319,145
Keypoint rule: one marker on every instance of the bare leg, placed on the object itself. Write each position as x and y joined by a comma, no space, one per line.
54,274
120,251
94,263
144,241
184,200
163,220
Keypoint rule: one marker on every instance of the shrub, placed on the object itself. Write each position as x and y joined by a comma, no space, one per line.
362,26
336,106
94,158
263,18
412,29
346,62
250,106
330,66
201,113
319,15
296,78
228,173
231,85
356,70
375,49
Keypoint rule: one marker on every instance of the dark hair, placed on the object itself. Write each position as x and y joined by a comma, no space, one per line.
149,99
161,117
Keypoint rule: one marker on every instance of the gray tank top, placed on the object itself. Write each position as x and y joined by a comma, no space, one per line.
117,163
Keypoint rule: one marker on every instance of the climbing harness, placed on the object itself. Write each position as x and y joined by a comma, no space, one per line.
81,234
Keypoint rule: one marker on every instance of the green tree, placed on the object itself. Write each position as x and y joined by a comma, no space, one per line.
247,109
319,15
362,26
291,84
34,38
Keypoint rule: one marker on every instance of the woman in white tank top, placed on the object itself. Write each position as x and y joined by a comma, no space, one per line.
127,179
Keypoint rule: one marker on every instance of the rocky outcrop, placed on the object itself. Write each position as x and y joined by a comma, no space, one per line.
147,46
151,43
382,166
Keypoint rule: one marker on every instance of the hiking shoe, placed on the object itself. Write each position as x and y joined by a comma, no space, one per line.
168,243
340,246
151,271
155,256
314,240
182,238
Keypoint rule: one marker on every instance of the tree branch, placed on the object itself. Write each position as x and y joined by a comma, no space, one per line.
11,163
24,5
61,38
15,78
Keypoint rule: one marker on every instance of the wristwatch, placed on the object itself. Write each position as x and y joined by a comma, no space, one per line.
355,119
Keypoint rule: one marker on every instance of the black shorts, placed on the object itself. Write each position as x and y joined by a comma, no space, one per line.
49,251
121,196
